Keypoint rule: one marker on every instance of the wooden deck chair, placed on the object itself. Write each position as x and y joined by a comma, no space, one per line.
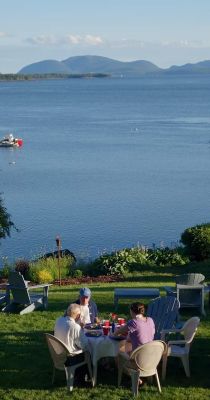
189,290
190,279
4,294
185,279
22,299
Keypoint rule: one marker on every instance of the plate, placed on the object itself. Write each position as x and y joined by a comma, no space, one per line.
117,337
92,326
93,334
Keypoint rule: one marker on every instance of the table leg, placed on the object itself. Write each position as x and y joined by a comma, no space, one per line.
45,297
115,302
94,374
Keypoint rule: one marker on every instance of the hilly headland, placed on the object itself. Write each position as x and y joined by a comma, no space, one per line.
89,66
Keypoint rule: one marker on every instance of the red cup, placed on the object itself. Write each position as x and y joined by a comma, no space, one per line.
121,321
107,323
106,330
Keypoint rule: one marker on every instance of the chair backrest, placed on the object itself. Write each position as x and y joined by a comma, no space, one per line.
148,356
190,279
58,351
189,329
164,311
18,287
190,295
17,280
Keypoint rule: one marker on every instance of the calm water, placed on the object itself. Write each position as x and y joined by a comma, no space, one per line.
106,163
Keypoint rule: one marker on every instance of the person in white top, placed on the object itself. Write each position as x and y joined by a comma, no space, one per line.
84,315
89,310
70,332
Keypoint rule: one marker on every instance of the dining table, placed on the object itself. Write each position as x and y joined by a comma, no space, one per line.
101,346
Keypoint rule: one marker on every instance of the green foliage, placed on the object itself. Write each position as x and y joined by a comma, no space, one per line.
51,265
31,77
5,221
135,259
44,276
197,241
6,269
77,273
119,262
167,257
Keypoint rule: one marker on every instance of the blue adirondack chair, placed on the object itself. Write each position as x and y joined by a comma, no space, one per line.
22,299
165,313
5,294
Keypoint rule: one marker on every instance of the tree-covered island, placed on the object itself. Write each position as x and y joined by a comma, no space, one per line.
31,77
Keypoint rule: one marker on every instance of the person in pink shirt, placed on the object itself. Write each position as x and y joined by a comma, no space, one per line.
139,330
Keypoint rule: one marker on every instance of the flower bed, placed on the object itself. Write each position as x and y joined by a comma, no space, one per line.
89,279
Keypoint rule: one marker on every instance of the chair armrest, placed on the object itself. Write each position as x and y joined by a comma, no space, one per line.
170,290
168,331
39,286
176,342
133,353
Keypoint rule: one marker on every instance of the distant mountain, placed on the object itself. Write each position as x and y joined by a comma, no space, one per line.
45,67
84,64
97,64
201,67
91,64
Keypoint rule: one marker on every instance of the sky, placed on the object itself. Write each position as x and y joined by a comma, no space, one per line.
165,32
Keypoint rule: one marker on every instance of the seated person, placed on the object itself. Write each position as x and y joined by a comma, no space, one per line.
140,329
89,311
70,332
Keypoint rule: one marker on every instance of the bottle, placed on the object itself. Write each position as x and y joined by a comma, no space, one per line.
113,327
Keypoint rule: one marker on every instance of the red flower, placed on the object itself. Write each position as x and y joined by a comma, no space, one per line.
113,316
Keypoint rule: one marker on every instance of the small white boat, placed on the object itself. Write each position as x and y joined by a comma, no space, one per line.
10,141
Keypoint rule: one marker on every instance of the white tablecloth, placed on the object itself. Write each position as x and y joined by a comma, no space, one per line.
102,346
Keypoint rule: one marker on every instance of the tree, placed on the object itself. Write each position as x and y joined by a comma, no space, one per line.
197,241
5,222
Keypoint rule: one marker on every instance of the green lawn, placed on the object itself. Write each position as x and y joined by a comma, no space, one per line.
26,365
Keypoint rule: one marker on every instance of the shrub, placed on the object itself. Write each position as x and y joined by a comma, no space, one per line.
22,266
50,265
166,257
120,262
135,259
77,273
44,276
197,241
6,269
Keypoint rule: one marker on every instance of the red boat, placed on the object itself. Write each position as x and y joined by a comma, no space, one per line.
10,141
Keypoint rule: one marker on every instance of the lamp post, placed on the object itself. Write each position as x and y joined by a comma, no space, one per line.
58,244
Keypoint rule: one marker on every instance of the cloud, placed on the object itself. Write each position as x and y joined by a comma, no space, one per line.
65,40
72,39
4,35
93,40
184,43
140,44
41,40
127,43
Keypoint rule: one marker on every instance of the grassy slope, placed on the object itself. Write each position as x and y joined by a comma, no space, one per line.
26,366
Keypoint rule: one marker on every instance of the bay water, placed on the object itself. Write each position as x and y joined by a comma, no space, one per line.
105,164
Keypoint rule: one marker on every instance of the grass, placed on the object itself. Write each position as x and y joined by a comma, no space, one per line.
26,366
